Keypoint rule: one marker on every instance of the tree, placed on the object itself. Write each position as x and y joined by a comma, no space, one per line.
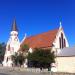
41,57
24,50
18,59
25,47
14,58
2,51
21,59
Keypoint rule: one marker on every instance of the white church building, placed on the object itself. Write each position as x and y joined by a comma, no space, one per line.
12,46
54,39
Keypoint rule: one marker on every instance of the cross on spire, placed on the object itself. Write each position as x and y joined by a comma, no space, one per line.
60,24
14,26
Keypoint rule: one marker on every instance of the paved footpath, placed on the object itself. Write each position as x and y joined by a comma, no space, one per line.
21,71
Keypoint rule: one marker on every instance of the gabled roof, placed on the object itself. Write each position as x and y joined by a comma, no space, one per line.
43,40
14,26
67,52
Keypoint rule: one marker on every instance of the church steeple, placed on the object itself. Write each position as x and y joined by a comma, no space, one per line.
14,26
13,45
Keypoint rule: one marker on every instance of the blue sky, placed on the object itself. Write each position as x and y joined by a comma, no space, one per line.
37,16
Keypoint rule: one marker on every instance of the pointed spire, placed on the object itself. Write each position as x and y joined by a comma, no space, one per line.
14,26
60,25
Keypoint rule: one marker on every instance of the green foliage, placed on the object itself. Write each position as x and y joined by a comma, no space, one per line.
21,59
42,56
25,47
18,59
2,51
14,58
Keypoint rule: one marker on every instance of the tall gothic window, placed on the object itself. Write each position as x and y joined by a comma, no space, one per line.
62,40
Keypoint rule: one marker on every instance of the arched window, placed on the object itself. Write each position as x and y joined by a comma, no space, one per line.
8,47
62,40
7,59
59,42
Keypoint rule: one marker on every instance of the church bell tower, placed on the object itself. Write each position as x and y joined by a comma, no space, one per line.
12,46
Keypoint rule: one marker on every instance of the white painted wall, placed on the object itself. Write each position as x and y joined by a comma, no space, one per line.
66,64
